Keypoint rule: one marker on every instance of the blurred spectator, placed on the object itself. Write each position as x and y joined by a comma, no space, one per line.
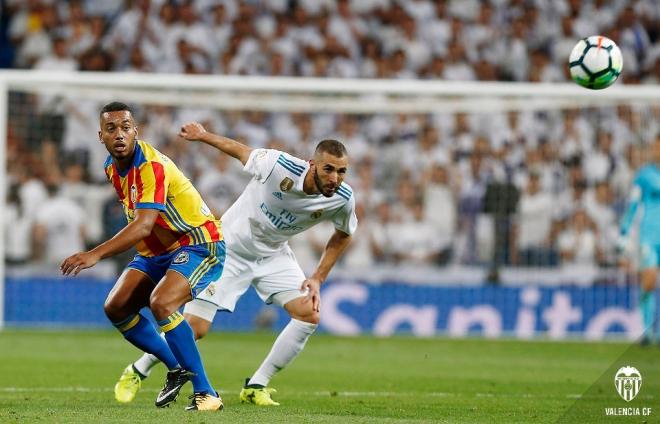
535,215
114,220
58,59
80,136
440,209
32,191
32,28
578,243
417,243
359,254
90,197
383,236
96,60
598,164
348,131
59,228
17,230
598,205
221,183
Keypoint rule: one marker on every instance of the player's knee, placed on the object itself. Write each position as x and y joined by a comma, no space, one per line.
199,329
303,311
114,309
312,318
199,333
315,318
159,306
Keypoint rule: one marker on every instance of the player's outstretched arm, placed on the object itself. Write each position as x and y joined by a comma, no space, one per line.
194,131
338,242
128,237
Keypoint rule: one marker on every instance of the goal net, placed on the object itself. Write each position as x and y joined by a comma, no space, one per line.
488,208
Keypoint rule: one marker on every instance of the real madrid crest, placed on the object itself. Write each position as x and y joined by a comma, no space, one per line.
210,290
286,184
316,214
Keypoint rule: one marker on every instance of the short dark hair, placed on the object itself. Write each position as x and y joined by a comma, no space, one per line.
115,107
334,147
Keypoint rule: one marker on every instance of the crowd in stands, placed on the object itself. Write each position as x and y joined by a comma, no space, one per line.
517,40
518,188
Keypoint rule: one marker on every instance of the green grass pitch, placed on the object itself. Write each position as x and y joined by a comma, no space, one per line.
68,376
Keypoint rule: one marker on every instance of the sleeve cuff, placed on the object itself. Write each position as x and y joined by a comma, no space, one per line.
159,206
248,163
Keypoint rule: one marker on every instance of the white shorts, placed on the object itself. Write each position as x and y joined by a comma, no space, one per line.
277,279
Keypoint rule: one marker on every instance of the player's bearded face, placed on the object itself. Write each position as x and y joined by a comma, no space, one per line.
118,133
329,172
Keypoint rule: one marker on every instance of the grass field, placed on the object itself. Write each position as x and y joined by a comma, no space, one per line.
63,377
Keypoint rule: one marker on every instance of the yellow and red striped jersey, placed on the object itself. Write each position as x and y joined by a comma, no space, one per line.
153,181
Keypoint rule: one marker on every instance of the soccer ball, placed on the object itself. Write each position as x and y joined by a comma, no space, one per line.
595,62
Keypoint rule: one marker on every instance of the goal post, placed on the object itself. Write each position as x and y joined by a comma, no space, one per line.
4,86
356,96
364,98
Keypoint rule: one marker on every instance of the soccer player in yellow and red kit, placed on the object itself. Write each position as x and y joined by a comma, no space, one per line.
180,251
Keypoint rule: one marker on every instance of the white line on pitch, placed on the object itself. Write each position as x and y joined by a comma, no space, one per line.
318,393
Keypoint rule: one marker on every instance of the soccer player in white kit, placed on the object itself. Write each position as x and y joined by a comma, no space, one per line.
286,196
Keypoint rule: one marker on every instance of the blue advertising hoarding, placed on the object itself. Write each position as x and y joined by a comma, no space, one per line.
358,307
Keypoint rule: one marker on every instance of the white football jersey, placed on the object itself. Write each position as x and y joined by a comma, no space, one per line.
273,207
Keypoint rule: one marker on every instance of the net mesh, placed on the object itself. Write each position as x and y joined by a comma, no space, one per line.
453,188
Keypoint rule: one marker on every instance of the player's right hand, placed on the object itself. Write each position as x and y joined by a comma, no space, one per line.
77,262
313,287
192,131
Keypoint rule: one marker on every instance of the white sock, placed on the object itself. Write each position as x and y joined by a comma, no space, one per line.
288,345
147,362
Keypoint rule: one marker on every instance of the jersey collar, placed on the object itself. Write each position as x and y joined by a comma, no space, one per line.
138,159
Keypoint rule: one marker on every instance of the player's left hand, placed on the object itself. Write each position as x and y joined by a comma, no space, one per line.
313,287
192,131
78,262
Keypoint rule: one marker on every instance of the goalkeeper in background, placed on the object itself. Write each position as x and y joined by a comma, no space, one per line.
646,190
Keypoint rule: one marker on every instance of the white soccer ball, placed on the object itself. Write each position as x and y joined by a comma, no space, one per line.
595,62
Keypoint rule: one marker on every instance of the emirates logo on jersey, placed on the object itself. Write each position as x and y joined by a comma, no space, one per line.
286,184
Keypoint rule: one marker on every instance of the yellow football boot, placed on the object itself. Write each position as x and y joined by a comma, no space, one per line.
128,385
258,395
205,402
